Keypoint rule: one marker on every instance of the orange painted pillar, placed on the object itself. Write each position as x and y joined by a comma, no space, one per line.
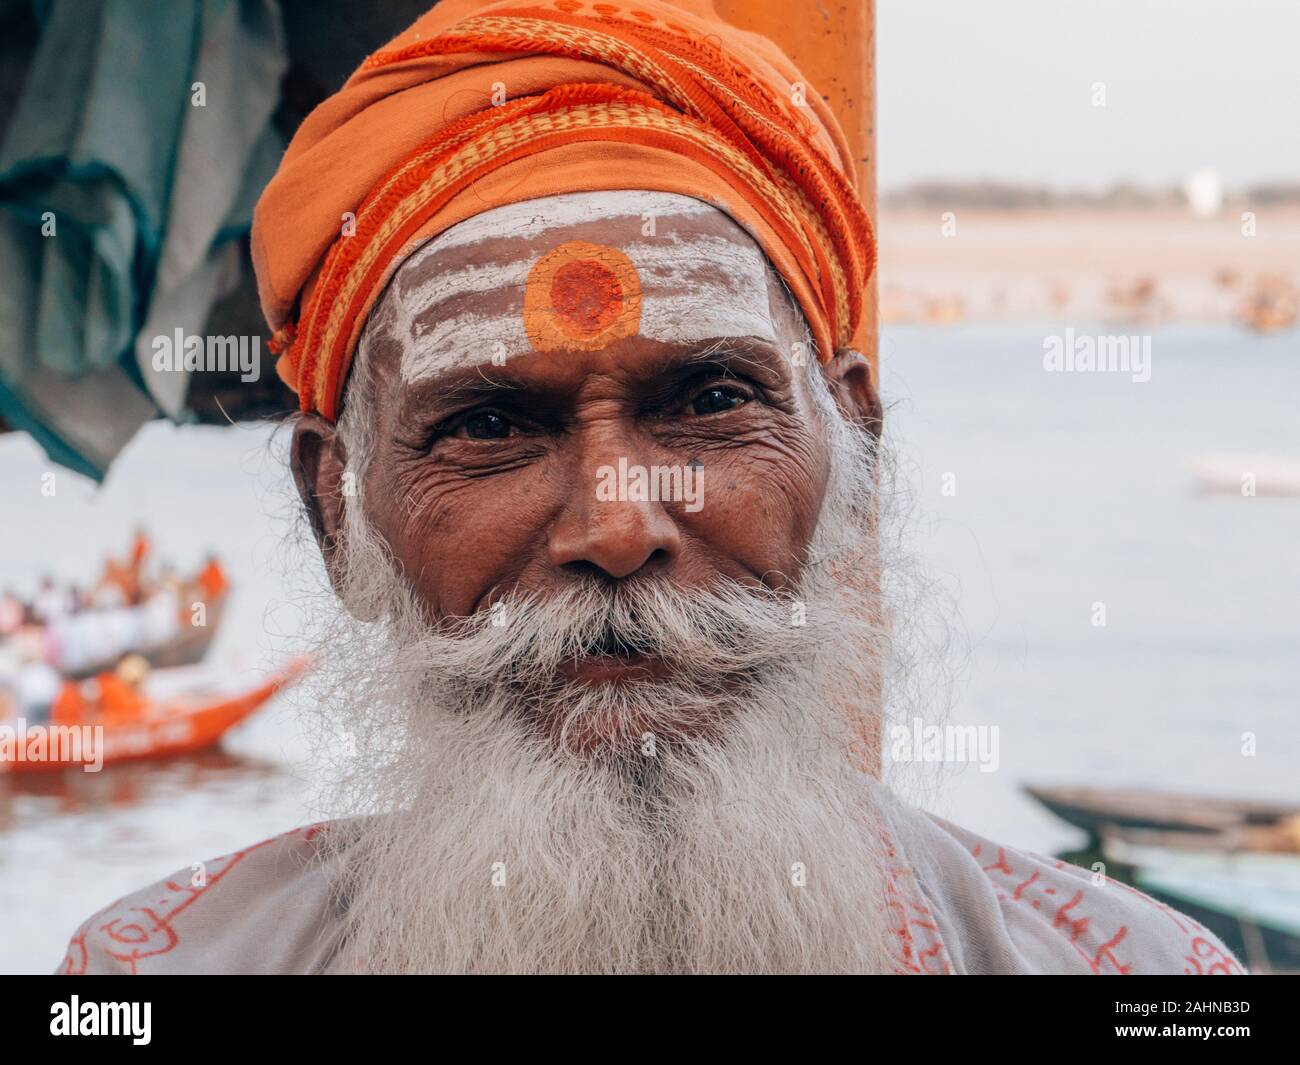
834,43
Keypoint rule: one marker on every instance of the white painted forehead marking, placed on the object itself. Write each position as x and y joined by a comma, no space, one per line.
531,218
694,287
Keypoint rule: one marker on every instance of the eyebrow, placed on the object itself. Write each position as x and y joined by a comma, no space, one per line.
755,353
733,355
483,379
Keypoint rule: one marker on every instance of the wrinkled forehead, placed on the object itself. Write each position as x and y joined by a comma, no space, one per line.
581,271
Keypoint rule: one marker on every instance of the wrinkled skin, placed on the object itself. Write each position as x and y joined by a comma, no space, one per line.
487,491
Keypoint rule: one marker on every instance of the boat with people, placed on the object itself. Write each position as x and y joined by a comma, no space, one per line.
133,608
170,645
166,714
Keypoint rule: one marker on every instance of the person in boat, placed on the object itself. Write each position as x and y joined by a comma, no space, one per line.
140,551
597,475
212,579
36,686
162,613
114,698
120,693
117,586
12,613
12,659
71,707
51,602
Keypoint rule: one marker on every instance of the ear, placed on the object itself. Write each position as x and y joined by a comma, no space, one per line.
853,385
318,462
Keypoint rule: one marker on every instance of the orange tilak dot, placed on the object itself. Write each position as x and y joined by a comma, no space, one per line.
586,296
581,297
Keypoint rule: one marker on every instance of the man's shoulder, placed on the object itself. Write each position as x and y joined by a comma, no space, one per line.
264,908
994,908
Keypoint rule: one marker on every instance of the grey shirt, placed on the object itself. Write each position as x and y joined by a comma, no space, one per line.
959,903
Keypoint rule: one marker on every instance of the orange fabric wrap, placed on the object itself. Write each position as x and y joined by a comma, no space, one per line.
478,105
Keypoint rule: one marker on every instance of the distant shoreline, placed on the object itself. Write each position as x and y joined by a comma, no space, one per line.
1155,265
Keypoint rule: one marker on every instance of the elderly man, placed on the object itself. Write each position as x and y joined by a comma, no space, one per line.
568,293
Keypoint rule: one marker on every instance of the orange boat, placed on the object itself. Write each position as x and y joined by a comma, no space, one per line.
192,719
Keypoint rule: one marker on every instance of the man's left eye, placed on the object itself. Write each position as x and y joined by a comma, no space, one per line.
487,425
717,398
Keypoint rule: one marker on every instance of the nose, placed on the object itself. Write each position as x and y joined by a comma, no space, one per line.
615,537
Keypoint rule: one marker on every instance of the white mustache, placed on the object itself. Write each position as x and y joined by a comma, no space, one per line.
708,636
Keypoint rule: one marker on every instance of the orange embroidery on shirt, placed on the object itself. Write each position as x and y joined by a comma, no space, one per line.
138,933
581,297
1219,962
917,947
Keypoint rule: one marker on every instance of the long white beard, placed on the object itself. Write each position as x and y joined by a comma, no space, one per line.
488,838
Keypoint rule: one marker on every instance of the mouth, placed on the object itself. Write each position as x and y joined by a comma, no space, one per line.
611,659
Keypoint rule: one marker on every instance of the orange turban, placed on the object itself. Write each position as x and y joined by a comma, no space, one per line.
482,104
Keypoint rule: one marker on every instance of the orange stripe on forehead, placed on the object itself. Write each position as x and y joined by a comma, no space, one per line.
581,297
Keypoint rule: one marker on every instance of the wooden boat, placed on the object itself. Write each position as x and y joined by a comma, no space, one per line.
1282,837
1103,811
185,715
187,648
1251,901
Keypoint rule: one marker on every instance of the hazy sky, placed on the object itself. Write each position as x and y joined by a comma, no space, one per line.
1003,89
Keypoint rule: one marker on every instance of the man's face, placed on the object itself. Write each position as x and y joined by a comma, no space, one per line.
696,739
527,358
